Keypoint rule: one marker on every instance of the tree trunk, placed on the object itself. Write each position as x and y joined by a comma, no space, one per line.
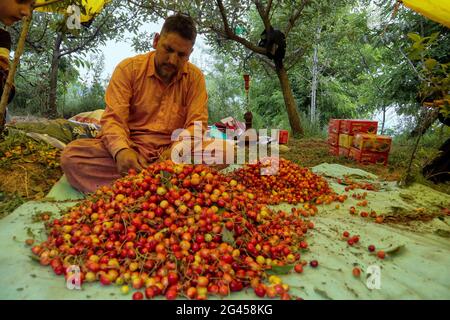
429,119
52,110
291,106
312,108
10,80
315,79
384,120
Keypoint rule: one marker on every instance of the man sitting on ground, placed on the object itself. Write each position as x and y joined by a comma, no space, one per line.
148,97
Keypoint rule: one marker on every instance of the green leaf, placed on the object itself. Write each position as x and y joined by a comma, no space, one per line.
414,55
433,37
35,258
393,250
30,233
227,236
357,176
418,46
322,293
430,64
279,270
165,175
165,178
415,37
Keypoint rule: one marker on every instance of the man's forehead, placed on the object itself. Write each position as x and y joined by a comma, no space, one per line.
176,42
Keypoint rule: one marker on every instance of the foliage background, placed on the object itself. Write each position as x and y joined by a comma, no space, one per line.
363,67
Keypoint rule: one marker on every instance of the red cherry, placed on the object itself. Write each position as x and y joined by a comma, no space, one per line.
298,268
381,254
138,295
260,291
356,272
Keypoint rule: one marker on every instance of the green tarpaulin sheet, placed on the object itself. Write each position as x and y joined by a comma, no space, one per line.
417,270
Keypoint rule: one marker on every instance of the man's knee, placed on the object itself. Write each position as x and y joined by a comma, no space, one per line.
71,154
67,158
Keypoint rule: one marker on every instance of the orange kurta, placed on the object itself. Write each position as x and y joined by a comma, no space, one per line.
141,113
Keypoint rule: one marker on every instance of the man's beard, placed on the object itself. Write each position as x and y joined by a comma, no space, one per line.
167,71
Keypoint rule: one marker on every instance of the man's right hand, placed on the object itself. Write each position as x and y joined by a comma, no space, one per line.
129,159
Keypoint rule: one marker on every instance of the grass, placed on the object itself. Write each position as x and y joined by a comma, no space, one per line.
28,169
9,203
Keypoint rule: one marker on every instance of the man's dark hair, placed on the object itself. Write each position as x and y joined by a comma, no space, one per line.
181,24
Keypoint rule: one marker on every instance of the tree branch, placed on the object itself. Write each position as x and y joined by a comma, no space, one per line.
298,55
405,57
267,71
295,16
269,6
275,6
268,62
45,31
26,80
84,44
364,61
157,10
263,14
147,7
412,65
232,36
92,37
27,41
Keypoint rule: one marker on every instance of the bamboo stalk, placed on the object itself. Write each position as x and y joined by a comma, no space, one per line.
12,71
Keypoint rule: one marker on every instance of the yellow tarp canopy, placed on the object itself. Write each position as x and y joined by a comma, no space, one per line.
91,7
436,10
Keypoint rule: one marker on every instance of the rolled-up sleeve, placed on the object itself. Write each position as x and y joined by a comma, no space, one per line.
115,132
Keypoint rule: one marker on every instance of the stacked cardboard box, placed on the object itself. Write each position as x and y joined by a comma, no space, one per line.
345,143
358,140
333,136
369,157
283,137
352,127
349,128
371,148
334,126
342,131
372,142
